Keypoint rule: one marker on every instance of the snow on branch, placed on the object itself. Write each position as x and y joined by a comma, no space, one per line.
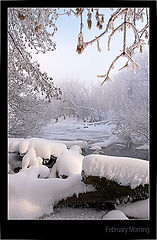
128,19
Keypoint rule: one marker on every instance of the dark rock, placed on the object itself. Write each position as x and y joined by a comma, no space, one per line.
49,162
16,170
111,190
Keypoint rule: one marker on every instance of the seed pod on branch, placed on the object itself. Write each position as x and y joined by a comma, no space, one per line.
21,16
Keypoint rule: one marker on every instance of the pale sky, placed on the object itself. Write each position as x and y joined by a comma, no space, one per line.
65,62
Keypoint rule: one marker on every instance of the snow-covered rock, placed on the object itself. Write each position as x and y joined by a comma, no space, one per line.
57,148
30,159
43,171
53,172
70,162
125,171
30,197
23,146
44,148
115,215
13,144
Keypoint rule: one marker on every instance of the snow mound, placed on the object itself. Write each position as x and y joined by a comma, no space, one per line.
138,209
44,171
44,148
124,170
30,159
70,163
13,145
115,215
30,197
53,172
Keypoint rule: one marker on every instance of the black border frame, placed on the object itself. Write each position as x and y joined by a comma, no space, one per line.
47,229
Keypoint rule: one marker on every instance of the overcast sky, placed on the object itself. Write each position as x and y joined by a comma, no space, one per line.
65,62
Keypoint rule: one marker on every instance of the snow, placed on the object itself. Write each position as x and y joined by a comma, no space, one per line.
30,197
125,171
44,148
139,209
69,144
30,159
115,215
70,163
35,190
143,147
14,161
44,171
53,172
14,144
71,213
105,143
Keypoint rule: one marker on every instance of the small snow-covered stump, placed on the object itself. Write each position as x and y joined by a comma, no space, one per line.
117,179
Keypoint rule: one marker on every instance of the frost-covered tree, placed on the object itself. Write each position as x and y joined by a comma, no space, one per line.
76,101
131,114
30,28
28,116
35,27
121,20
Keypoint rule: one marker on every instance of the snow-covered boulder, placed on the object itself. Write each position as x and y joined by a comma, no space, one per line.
30,197
30,159
13,144
57,148
23,146
120,178
44,148
43,171
70,162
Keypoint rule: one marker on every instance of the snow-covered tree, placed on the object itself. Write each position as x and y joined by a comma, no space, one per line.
121,20
30,28
28,116
131,114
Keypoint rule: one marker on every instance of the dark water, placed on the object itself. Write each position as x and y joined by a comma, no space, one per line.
120,151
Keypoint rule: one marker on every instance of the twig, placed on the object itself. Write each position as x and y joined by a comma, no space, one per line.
108,72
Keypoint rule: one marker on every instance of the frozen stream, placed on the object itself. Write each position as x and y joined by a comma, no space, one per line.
94,133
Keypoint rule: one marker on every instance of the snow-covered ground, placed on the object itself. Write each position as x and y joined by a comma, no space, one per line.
35,190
